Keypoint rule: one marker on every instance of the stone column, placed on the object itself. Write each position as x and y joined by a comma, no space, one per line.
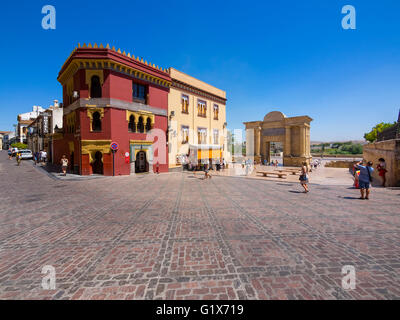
258,141
287,150
302,141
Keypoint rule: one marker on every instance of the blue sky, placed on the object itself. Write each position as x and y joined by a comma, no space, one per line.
291,56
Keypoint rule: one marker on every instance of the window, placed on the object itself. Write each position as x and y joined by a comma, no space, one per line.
185,104
185,134
215,136
132,124
202,135
201,108
148,125
95,87
139,92
216,111
96,124
140,125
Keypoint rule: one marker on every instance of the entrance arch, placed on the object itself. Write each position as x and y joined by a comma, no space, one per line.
293,133
141,163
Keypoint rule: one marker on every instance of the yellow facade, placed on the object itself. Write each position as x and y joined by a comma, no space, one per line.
186,112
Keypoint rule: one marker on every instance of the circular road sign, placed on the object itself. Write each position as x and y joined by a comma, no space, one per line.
114,146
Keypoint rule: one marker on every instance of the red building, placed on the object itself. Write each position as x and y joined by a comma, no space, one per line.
108,97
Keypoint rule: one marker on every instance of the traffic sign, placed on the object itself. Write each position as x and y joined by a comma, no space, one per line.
114,146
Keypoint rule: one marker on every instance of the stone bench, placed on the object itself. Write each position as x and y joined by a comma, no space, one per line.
272,173
292,171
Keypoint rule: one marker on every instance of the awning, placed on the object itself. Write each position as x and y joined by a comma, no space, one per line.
204,151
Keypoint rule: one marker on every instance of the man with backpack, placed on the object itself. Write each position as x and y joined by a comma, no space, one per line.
365,178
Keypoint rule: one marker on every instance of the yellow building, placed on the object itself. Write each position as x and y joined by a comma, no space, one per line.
197,120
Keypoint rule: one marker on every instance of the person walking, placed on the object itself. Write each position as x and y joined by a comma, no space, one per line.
35,159
44,156
304,177
365,178
157,167
18,158
206,172
64,164
381,167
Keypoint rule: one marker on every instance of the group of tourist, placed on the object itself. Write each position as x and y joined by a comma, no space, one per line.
208,165
273,163
40,157
363,177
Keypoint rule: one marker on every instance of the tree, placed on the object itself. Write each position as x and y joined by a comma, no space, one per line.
372,135
19,145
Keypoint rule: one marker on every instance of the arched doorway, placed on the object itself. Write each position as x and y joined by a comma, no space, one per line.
97,164
141,164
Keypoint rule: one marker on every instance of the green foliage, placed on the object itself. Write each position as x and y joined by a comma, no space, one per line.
19,145
340,148
372,135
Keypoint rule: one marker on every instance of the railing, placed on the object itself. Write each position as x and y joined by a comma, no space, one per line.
389,133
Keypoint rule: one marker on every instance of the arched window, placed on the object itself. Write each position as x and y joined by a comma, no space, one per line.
132,124
95,87
148,125
141,125
96,124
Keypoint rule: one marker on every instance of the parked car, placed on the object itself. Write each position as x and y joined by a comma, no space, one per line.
26,154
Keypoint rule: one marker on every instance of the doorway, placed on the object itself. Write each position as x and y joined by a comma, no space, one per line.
141,164
97,164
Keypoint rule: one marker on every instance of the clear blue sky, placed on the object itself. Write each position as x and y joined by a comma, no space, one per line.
291,56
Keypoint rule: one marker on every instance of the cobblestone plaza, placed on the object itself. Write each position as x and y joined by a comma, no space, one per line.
176,236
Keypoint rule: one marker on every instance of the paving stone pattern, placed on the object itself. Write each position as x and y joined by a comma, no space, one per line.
176,236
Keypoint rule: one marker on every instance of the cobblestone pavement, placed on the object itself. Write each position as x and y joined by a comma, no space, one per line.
175,236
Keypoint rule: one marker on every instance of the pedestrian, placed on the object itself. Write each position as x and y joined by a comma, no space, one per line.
10,154
304,177
381,167
276,163
18,157
206,172
35,158
64,164
157,167
44,156
365,178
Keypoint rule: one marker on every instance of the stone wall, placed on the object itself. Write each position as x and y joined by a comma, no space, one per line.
390,151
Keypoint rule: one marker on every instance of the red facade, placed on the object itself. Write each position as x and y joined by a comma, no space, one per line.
110,97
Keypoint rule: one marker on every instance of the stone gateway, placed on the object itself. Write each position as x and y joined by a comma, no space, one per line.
293,133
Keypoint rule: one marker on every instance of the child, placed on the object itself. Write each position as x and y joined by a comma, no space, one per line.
381,167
